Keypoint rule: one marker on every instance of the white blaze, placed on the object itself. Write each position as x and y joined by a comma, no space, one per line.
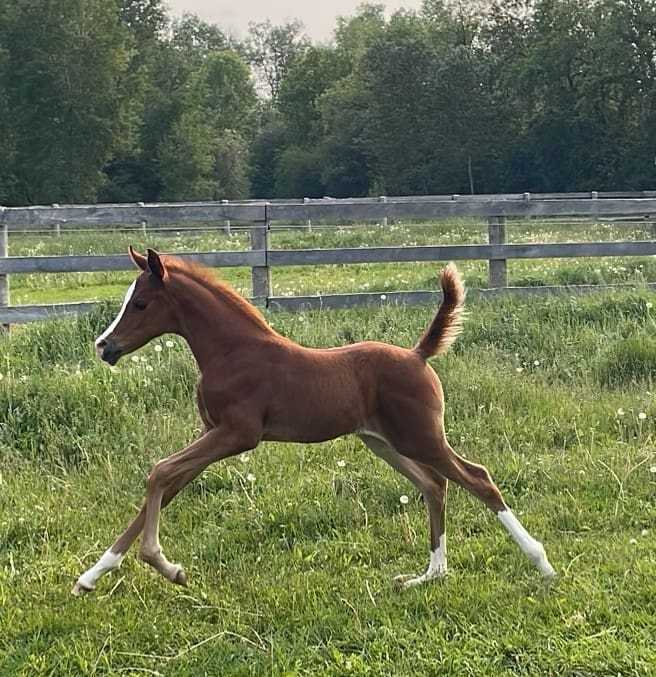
117,319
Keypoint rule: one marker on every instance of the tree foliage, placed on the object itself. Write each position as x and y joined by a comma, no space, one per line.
115,100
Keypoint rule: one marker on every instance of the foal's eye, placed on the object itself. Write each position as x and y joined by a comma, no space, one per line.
140,304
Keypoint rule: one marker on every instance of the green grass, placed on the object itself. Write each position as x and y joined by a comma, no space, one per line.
290,571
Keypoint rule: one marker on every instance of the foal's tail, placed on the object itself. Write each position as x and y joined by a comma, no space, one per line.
447,324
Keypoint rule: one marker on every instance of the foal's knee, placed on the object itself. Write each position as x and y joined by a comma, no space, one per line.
157,477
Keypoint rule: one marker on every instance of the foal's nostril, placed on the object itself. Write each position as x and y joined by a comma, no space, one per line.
100,343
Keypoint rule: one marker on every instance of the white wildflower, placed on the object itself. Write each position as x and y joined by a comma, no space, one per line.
620,412
244,458
536,363
403,499
341,464
250,477
519,370
135,358
642,416
383,297
633,541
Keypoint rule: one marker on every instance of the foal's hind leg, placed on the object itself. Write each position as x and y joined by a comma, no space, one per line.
476,479
433,487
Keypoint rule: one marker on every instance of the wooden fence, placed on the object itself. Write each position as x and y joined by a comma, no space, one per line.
260,217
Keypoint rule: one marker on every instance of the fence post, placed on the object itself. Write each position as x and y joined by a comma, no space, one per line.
496,234
261,275
308,222
4,253
383,221
227,226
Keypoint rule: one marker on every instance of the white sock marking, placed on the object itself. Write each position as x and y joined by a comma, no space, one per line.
108,562
436,566
438,559
117,319
530,547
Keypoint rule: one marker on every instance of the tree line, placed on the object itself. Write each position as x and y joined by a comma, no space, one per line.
114,100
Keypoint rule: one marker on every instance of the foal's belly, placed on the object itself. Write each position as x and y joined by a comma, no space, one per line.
307,423
314,412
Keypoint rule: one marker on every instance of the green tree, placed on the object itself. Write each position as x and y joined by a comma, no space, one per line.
267,145
346,167
310,74
195,38
272,49
65,64
222,88
298,173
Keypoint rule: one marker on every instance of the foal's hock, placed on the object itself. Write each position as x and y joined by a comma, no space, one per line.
258,385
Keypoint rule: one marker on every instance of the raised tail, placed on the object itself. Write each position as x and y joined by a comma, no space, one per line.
447,324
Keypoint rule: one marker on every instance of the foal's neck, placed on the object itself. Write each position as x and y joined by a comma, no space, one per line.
214,321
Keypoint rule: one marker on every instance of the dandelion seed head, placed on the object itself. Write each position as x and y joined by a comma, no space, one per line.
519,370
169,344
633,541
135,358
403,499
250,477
642,416
536,363
158,348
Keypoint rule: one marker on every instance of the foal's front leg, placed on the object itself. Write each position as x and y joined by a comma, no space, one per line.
167,478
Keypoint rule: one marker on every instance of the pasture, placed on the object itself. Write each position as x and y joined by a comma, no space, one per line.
291,549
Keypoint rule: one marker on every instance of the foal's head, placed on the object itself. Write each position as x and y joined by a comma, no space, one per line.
146,312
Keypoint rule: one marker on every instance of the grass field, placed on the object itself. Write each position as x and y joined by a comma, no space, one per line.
291,549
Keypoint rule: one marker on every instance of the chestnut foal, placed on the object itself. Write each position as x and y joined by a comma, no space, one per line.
257,385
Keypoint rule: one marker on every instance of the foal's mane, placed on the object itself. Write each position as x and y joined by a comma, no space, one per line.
210,281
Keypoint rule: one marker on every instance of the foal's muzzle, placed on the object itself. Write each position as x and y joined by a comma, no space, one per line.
108,352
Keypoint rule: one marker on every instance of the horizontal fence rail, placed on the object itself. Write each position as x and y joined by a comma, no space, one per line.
258,217
116,262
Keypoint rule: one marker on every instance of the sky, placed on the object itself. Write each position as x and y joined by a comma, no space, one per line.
318,16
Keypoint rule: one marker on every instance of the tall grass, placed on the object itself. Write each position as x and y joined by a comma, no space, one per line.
290,549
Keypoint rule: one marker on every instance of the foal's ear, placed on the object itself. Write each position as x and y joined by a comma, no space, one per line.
155,264
138,259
